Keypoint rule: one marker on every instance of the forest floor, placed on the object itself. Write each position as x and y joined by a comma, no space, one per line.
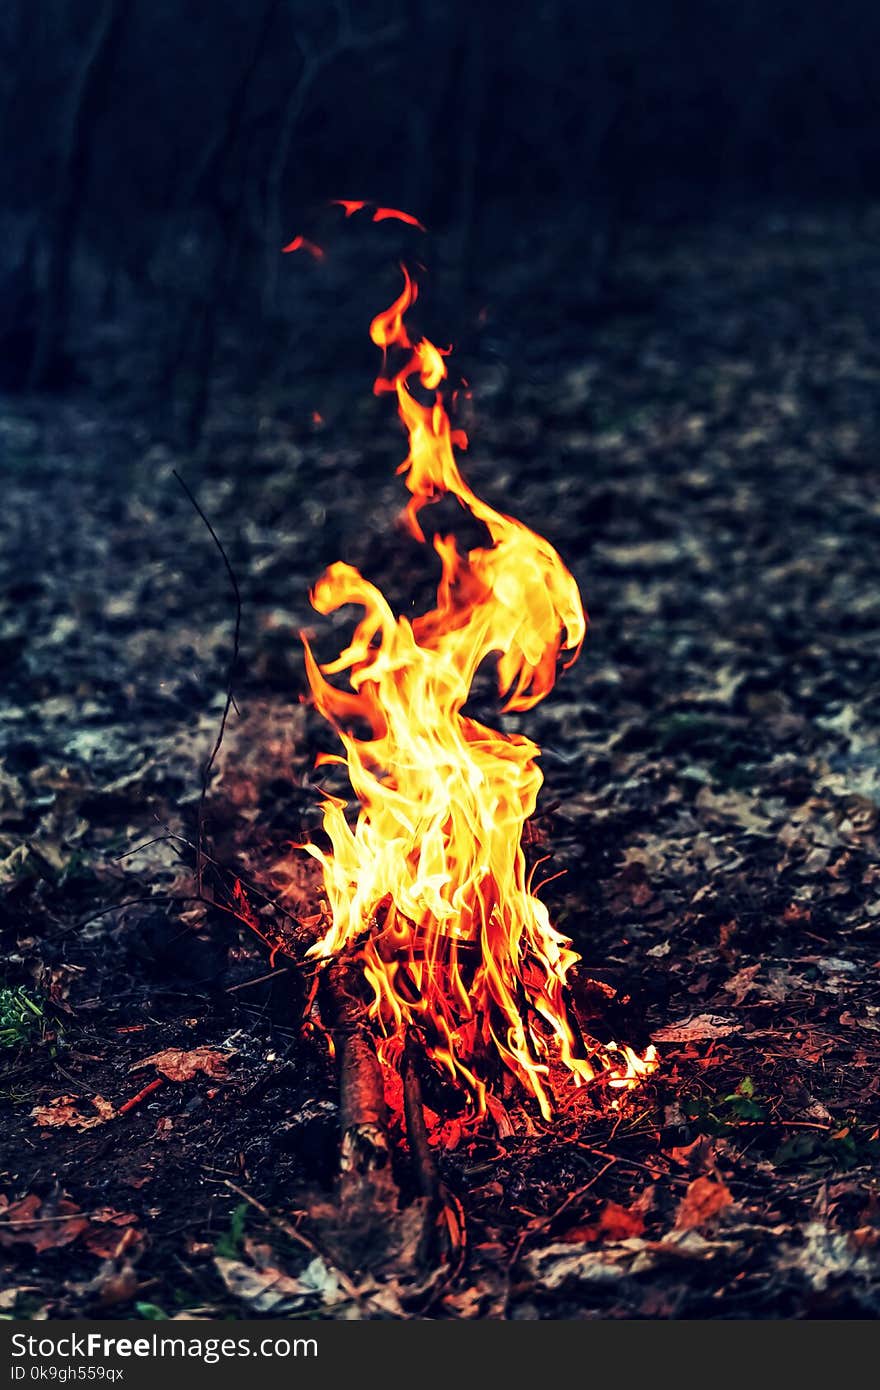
704,455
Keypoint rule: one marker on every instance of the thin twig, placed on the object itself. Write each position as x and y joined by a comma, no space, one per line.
287,1229
156,840
251,888
282,970
541,1224
46,1220
131,902
230,677
654,1173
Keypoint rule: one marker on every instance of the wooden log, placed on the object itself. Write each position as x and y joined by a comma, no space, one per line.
367,1189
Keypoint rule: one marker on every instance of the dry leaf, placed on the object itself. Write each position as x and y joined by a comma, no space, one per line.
619,1223
705,1199
265,1290
43,1226
697,1157
178,1064
9,1297
697,1028
110,1233
64,1111
615,1222
114,1283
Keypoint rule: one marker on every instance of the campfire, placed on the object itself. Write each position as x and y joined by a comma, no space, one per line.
433,919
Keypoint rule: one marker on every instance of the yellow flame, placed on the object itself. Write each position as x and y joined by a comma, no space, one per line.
430,887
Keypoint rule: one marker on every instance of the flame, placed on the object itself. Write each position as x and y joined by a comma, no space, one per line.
302,243
352,205
349,205
383,214
429,889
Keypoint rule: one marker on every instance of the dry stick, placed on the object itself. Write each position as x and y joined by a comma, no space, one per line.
416,1129
230,676
537,1226
222,868
46,1220
443,1209
367,1189
130,902
655,1173
141,1095
282,970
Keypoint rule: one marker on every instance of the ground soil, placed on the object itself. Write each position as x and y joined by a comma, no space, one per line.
702,448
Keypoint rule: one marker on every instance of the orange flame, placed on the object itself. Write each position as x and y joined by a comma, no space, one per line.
349,205
352,205
302,243
429,888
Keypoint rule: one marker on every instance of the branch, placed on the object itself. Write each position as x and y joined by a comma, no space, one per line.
314,62
230,676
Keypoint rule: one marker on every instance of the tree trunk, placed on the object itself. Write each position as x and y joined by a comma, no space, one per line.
474,105
85,104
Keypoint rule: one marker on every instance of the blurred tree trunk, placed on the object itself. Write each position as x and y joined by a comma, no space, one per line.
473,108
76,138
191,347
314,63
424,119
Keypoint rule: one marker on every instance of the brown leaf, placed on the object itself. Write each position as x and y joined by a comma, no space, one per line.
110,1232
43,1226
178,1064
703,1201
697,1157
64,1111
619,1223
696,1029
615,1222
114,1284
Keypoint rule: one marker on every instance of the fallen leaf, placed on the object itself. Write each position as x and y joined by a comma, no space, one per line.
705,1199
43,1226
9,1297
267,1289
697,1028
615,1222
559,1264
697,1157
110,1232
178,1064
64,1111
114,1284
742,983
823,1256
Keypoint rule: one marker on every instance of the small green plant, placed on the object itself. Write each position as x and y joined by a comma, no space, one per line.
151,1312
742,1104
721,1115
20,1016
228,1247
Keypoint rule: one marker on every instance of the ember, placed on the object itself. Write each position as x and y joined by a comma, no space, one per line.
429,890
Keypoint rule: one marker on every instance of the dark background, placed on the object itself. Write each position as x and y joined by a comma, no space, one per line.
156,155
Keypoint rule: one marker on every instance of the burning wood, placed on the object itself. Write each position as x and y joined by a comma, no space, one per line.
366,1183
428,891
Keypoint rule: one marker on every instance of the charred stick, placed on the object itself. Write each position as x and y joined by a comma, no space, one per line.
443,1233
416,1129
366,1182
